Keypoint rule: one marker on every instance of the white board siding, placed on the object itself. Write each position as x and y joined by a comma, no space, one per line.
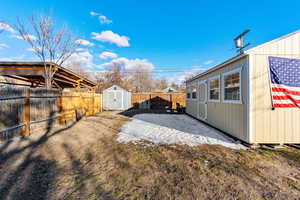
282,124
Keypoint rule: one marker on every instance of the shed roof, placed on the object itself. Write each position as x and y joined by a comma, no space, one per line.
170,89
111,87
219,66
33,72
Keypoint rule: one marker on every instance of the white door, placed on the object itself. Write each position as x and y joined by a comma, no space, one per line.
115,99
202,104
110,100
118,100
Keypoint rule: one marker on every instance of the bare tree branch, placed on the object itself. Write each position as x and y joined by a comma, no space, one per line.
48,43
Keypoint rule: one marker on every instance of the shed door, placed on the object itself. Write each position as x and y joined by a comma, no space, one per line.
110,100
202,108
118,100
115,100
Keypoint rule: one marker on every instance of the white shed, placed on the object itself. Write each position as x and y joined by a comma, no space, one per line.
116,98
170,90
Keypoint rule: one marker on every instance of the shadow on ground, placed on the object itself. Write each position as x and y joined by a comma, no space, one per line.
24,173
84,161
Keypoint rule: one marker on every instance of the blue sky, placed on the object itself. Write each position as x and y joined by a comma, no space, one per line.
163,35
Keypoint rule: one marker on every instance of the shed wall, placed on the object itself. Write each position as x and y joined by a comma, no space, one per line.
122,96
229,117
282,124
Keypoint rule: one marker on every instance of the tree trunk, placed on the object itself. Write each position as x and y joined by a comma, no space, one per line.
48,76
48,82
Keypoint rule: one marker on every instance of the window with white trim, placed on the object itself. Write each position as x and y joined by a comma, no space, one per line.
232,86
194,92
188,95
214,88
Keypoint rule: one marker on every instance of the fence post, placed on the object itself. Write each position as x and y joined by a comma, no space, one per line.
171,102
149,101
26,113
101,102
60,107
94,108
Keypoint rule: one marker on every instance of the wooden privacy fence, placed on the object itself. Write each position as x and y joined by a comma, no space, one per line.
71,102
158,101
22,108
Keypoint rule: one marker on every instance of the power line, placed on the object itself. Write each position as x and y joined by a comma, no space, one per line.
153,71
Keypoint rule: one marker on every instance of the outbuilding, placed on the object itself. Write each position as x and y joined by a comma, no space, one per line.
170,90
116,98
237,95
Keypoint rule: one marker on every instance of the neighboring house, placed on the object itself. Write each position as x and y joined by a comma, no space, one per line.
116,98
235,96
170,90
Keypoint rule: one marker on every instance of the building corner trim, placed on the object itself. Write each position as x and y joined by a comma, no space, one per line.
250,99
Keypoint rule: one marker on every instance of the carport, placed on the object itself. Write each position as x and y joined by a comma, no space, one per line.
32,74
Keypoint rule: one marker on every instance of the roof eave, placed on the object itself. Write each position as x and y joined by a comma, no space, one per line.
249,51
219,66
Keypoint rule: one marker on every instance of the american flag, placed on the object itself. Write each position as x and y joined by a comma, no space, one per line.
285,82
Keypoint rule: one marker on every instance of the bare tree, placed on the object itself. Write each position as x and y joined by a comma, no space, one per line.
161,83
140,80
113,76
78,68
48,43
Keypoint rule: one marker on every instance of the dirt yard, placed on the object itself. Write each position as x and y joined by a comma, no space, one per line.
84,161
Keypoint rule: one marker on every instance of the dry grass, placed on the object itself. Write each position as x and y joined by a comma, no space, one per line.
86,162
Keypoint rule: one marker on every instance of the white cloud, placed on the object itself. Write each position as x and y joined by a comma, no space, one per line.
3,46
104,20
83,57
181,77
15,58
81,49
94,13
6,27
30,49
130,64
208,62
111,37
84,42
139,64
107,54
32,37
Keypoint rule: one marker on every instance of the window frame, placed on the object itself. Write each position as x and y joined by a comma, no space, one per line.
188,91
192,92
188,95
191,86
216,77
238,70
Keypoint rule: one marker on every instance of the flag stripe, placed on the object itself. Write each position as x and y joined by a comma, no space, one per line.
276,97
286,87
285,105
286,91
283,94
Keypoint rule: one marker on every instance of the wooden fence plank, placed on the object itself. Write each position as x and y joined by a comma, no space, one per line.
23,107
26,113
